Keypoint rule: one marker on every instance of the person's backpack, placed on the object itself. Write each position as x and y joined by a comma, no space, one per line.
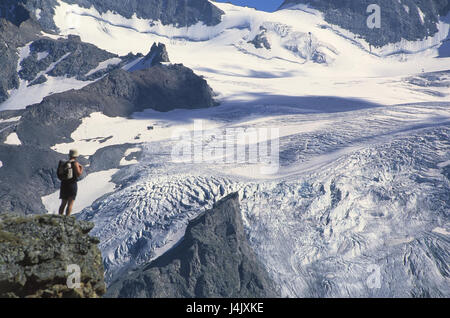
65,170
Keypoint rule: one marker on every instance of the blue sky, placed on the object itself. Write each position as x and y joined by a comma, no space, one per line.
266,5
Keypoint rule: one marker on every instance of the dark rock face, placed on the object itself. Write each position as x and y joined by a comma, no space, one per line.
75,58
12,37
446,172
177,12
213,260
35,252
158,54
260,41
27,174
14,12
17,11
397,22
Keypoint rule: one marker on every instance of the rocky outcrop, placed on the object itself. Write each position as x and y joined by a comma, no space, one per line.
64,57
260,41
27,174
12,37
400,19
213,260
180,13
39,256
14,11
157,55
176,12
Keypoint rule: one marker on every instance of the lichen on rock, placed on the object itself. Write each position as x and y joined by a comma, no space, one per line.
37,252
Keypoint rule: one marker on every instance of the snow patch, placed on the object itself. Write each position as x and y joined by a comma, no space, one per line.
37,14
129,66
421,15
103,65
53,36
9,120
24,52
98,130
28,95
42,55
13,139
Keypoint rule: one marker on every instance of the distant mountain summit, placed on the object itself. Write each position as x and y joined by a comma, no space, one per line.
178,12
157,55
400,19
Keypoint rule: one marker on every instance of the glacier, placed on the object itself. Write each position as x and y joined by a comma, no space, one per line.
365,189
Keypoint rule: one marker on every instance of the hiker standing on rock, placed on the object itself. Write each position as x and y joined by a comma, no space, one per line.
68,173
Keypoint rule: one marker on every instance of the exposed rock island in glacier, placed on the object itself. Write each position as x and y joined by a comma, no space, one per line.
214,259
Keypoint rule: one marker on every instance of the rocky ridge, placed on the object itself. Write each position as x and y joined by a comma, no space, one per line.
406,19
180,13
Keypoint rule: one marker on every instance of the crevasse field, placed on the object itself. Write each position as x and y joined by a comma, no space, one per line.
359,202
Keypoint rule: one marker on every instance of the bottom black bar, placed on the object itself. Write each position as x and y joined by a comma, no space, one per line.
218,307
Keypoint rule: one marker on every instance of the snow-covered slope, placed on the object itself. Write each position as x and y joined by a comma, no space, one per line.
291,50
307,55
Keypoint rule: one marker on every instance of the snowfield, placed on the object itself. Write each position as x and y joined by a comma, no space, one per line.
362,181
13,139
